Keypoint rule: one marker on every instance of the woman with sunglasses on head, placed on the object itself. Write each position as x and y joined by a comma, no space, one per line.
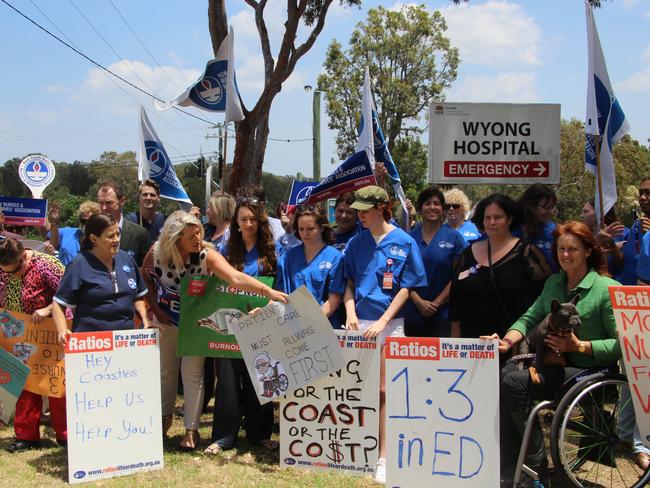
252,251
537,205
427,313
28,282
382,264
181,252
458,206
314,262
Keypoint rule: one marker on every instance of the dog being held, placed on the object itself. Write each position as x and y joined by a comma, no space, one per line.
563,320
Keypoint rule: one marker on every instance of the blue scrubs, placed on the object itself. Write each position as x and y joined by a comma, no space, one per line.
627,275
69,244
468,231
322,275
251,266
102,300
438,256
543,239
366,262
343,239
643,266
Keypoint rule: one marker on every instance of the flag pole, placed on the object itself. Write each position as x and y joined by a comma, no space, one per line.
601,204
222,171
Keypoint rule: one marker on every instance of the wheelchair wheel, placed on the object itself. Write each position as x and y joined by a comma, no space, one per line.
585,446
283,382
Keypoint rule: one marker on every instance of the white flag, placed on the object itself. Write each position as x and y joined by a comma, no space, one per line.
153,163
605,119
216,89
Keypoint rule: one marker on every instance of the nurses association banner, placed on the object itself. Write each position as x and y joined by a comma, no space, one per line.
36,346
209,307
288,346
113,404
442,412
334,423
13,374
24,211
631,306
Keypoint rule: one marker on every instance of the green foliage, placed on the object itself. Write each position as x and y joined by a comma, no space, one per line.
276,189
410,154
410,61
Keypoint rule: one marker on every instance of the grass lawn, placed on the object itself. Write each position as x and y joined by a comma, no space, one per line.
245,466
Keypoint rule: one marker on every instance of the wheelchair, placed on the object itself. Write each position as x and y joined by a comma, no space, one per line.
584,443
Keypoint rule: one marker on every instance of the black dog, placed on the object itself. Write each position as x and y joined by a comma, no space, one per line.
562,320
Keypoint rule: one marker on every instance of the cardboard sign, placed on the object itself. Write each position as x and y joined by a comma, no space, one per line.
334,422
209,307
36,346
504,143
442,407
113,404
286,347
13,374
24,211
631,306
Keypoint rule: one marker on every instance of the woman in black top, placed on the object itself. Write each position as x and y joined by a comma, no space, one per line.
498,278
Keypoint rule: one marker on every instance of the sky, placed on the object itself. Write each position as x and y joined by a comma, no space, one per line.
57,103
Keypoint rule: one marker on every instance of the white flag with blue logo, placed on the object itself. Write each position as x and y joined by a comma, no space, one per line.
154,164
371,137
605,119
216,89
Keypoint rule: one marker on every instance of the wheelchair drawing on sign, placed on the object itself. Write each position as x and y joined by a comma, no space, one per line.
584,440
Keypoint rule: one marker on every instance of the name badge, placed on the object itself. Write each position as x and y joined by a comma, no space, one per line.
388,281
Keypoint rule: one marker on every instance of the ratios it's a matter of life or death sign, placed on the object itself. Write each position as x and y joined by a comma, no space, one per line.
502,143
442,412
113,404
631,306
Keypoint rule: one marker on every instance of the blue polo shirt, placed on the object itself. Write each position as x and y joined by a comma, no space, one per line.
365,263
627,274
153,228
438,256
322,275
69,244
543,239
102,300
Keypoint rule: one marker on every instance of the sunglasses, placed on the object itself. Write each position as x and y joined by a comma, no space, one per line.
454,206
262,365
307,208
247,200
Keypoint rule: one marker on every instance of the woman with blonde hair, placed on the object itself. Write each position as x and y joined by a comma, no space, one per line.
458,206
181,252
221,208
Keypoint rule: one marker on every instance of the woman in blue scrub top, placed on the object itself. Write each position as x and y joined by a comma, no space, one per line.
427,313
181,252
381,265
250,249
313,263
102,284
458,207
537,205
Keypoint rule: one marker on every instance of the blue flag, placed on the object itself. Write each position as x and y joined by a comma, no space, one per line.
300,191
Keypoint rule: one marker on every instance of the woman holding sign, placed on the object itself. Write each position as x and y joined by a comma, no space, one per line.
181,252
582,278
314,263
28,281
250,250
381,265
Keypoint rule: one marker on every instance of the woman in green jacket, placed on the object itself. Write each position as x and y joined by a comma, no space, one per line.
583,269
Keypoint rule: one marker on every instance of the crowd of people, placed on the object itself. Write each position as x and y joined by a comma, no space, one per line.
506,257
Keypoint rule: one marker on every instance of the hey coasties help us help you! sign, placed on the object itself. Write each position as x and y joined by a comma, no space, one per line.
113,404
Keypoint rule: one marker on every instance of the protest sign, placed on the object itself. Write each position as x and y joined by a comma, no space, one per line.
442,407
13,374
37,172
334,422
37,347
352,174
113,404
631,306
286,347
24,211
504,143
209,307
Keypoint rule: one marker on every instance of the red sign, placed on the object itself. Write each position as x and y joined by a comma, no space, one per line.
408,348
498,169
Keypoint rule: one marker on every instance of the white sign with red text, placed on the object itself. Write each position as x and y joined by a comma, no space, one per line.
113,404
631,306
442,412
334,423
474,143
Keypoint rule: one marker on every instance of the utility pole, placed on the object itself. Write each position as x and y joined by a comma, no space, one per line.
315,132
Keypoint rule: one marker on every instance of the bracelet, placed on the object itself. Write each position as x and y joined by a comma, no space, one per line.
509,342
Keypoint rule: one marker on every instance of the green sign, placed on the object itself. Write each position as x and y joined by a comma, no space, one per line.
208,307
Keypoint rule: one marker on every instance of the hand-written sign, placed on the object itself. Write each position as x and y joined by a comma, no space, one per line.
113,404
37,347
288,346
13,374
631,306
209,308
334,422
442,408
